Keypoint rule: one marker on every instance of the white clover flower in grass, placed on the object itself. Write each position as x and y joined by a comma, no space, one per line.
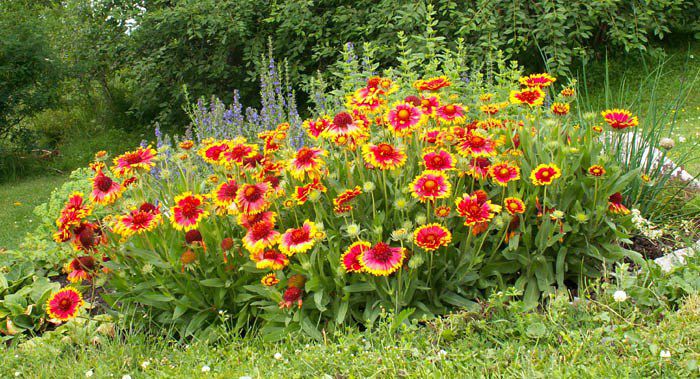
665,354
278,356
206,369
620,296
145,364
89,373
127,376
667,143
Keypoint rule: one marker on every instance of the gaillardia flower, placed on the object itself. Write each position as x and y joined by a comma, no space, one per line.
383,156
439,160
620,118
475,144
382,259
431,236
298,240
80,268
502,173
615,204
514,205
596,170
269,259
344,124
537,80
544,174
533,97
105,190
404,118
442,211
351,256
188,211
430,185
292,295
307,161
269,280
432,84
132,161
64,304
248,220
260,236
224,196
476,210
428,105
560,109
213,152
451,113
252,198
314,128
340,202
138,221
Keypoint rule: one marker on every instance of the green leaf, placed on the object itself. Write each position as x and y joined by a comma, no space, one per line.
214,282
536,330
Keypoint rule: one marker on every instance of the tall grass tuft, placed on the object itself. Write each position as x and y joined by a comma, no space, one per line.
661,189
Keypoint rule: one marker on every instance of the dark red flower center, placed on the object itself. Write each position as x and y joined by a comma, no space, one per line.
260,230
270,255
385,150
65,304
342,120
292,294
305,155
381,252
190,209
148,208
252,193
103,183
299,235
140,219
228,191
133,158
528,96
477,141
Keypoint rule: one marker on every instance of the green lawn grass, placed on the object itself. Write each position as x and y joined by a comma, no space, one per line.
17,202
582,340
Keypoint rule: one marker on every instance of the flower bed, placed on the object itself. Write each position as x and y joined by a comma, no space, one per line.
417,197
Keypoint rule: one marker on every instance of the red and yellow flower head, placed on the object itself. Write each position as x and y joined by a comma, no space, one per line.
476,209
308,161
620,119
382,259
298,240
64,304
404,118
430,185
129,163
188,211
545,174
431,237
351,256
384,156
537,80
